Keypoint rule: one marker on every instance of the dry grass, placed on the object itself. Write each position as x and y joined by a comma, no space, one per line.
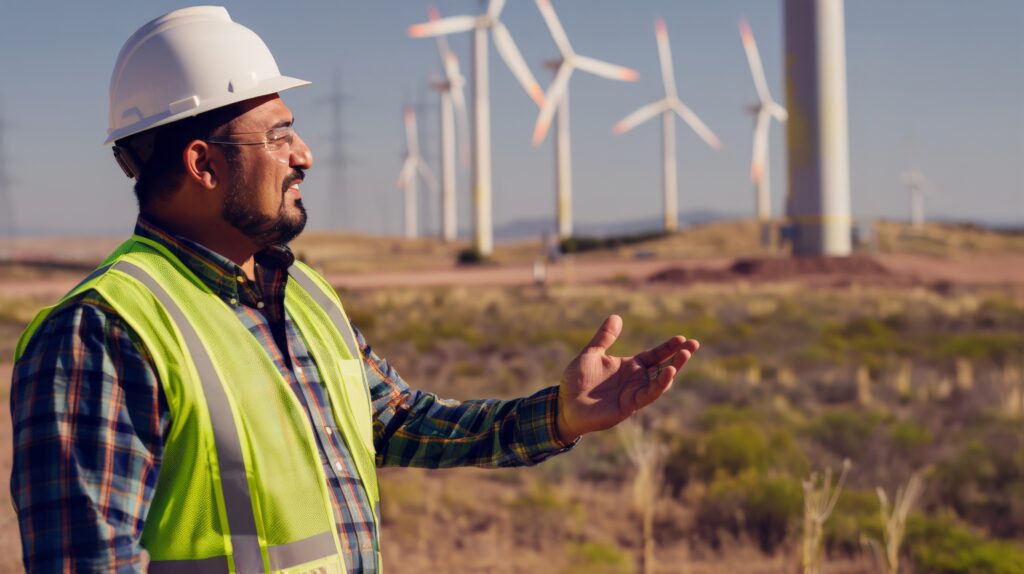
944,239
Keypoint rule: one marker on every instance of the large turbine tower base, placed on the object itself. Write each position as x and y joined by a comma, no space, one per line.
818,204
483,235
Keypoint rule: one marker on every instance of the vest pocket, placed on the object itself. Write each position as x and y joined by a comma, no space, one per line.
352,378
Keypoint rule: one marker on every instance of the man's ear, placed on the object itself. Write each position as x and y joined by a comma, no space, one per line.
203,164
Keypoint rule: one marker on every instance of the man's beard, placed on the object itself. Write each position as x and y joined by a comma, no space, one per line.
240,211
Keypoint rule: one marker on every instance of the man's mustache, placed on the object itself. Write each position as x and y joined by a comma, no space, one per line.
298,174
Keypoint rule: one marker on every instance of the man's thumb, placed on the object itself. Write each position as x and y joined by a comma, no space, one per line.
607,334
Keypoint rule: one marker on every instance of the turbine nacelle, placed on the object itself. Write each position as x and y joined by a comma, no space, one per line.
671,102
569,62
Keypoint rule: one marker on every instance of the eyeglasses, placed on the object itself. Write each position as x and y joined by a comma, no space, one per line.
276,141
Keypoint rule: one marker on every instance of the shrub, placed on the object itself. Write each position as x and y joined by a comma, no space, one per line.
997,347
715,416
864,335
845,432
984,481
940,546
855,515
909,437
735,448
471,257
593,557
765,508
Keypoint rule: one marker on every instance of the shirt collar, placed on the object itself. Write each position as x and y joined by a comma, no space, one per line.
219,273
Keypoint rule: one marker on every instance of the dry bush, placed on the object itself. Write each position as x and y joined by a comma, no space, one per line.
820,499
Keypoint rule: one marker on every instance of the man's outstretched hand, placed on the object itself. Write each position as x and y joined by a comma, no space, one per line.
599,391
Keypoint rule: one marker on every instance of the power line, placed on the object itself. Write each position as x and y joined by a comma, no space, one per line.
7,220
339,200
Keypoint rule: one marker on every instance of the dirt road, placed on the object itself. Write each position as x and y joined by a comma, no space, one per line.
999,269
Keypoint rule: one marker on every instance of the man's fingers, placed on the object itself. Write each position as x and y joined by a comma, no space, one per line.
607,334
666,350
684,354
655,388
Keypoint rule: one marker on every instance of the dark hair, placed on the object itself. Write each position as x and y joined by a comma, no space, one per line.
159,151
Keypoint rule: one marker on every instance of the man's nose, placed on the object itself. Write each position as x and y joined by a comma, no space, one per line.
301,156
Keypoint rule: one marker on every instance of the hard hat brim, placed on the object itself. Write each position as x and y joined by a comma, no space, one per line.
270,86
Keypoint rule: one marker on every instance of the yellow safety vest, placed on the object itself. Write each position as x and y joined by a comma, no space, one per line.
241,485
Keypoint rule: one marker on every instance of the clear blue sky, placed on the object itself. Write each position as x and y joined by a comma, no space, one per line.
933,84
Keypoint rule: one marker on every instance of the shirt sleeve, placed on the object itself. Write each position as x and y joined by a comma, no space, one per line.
416,428
89,419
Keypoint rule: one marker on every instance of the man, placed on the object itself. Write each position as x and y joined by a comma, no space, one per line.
200,403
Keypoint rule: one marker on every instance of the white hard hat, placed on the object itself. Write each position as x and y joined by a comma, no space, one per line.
187,62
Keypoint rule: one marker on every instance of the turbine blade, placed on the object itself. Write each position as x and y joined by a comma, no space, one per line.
555,26
461,115
451,68
640,116
665,57
408,170
555,93
427,175
606,70
754,59
449,25
777,111
494,9
411,144
433,15
510,53
760,155
698,126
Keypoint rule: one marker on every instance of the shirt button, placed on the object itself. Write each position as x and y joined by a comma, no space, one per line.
337,466
328,431
241,278
234,301
260,305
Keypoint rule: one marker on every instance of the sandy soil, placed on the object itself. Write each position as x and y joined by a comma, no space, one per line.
990,270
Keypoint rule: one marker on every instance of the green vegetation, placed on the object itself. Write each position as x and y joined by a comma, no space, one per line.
776,390
940,546
845,432
597,558
764,508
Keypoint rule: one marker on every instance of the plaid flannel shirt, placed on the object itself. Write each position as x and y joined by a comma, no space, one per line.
90,419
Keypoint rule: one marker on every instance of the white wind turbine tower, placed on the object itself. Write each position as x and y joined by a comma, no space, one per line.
556,100
917,186
413,165
667,107
764,110
453,104
483,236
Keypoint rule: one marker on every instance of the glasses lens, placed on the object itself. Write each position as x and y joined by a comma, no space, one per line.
279,143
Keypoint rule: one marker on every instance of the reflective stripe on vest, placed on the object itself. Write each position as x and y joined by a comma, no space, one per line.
321,298
245,547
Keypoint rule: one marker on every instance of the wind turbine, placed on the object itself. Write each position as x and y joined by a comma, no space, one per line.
407,177
764,110
667,107
453,103
556,100
483,237
917,186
